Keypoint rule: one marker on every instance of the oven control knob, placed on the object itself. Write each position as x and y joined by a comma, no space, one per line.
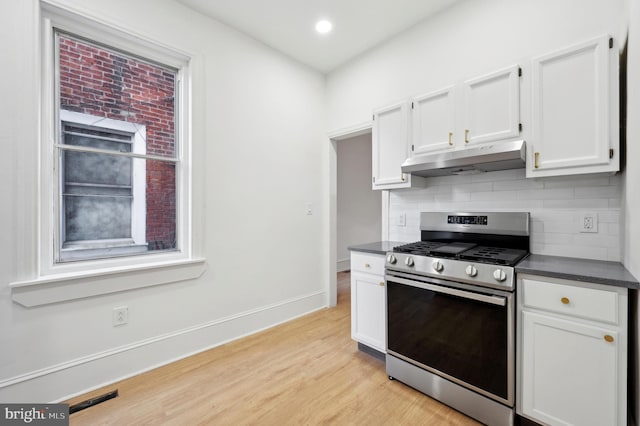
471,270
408,261
499,275
437,266
391,259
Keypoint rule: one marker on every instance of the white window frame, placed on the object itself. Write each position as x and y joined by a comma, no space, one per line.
55,282
139,184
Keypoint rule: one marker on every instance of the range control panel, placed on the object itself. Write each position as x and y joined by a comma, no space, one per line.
467,220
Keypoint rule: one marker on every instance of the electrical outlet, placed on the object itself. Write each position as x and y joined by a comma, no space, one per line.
588,222
120,316
309,209
401,219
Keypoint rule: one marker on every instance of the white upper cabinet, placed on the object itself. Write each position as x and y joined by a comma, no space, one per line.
433,120
575,110
482,109
492,106
390,146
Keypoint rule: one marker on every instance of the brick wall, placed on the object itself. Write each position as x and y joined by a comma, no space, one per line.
105,84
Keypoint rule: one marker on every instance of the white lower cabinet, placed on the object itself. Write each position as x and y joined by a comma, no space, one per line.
368,300
572,352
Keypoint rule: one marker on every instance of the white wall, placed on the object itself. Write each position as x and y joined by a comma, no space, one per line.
257,162
359,207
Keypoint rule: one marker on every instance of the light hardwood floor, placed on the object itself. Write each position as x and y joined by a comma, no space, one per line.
305,372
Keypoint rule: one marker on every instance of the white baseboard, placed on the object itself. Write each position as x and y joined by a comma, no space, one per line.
75,377
343,265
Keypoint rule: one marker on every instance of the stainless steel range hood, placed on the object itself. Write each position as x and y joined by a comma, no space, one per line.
483,158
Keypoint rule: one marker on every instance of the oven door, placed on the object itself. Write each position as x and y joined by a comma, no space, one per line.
454,331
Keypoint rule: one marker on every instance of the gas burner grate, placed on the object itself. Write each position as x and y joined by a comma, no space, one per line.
497,255
423,248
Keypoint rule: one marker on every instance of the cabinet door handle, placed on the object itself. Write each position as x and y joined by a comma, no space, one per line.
381,283
536,160
608,338
450,138
565,300
466,135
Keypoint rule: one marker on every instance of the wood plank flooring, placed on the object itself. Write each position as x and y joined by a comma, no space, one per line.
305,372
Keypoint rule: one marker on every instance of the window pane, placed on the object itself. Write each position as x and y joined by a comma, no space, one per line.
161,205
140,217
109,84
88,167
97,217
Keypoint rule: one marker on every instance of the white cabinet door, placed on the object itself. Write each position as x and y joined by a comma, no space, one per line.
569,372
368,310
433,121
492,106
390,144
575,110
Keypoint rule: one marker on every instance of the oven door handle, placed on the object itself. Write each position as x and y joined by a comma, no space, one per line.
494,300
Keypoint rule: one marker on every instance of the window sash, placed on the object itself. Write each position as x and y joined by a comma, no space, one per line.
70,19
124,154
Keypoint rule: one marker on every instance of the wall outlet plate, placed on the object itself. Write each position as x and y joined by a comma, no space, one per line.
120,316
588,222
401,219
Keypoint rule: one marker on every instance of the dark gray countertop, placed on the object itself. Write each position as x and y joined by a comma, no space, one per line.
378,247
588,270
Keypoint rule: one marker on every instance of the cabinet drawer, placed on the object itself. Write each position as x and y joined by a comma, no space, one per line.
367,262
583,302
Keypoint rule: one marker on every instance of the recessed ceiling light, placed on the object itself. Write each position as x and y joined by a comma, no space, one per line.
323,26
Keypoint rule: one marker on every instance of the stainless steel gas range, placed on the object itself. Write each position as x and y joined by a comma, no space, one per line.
451,311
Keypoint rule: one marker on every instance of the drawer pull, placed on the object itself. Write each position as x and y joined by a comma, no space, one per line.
565,300
381,283
608,338
366,265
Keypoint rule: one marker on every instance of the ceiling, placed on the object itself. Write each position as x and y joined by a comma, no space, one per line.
288,25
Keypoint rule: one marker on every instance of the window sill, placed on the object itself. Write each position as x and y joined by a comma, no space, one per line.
71,286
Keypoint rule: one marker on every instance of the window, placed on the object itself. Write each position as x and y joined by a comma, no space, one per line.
115,181
115,187
102,195
116,151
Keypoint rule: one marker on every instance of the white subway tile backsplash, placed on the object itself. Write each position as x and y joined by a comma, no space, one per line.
576,181
597,192
453,196
556,205
467,188
613,254
585,203
506,185
498,176
612,228
494,196
596,240
546,194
